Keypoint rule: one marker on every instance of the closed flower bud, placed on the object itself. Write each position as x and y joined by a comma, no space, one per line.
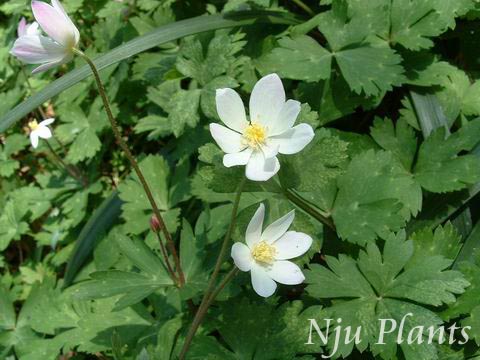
154,224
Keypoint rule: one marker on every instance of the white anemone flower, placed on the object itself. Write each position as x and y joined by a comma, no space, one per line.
267,252
51,51
27,29
256,143
39,131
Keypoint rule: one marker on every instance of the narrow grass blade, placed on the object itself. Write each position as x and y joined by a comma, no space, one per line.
99,223
429,113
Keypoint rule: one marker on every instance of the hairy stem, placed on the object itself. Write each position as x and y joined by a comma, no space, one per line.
123,145
210,293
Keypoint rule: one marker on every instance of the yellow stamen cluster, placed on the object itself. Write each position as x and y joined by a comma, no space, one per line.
263,252
33,125
254,136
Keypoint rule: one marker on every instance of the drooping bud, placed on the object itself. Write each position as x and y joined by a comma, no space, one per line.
154,224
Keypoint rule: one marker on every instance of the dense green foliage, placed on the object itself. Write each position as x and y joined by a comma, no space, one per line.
387,189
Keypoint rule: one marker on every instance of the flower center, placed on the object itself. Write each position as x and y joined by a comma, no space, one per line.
254,135
263,252
33,125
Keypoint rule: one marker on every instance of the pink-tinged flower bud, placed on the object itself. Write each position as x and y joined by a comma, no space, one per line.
53,50
155,224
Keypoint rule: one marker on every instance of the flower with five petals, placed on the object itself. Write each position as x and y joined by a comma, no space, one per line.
41,131
51,51
266,253
269,131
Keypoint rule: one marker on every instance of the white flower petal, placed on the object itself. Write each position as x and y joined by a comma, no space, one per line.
47,122
240,158
241,256
286,272
266,100
269,149
48,66
291,245
33,29
254,228
35,49
22,27
43,132
58,6
261,169
286,118
34,139
294,140
55,23
279,227
228,140
230,109
261,282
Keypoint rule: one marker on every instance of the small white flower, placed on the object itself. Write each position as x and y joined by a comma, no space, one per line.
270,131
49,51
39,131
27,29
266,253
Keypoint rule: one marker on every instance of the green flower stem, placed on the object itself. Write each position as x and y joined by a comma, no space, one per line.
211,291
304,6
70,170
302,204
230,275
27,81
133,162
165,255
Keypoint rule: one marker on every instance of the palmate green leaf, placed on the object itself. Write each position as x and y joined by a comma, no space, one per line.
299,58
276,333
458,94
410,23
84,326
444,241
469,299
413,23
467,304
376,196
184,110
192,259
371,67
12,224
13,144
381,285
133,286
439,168
159,36
205,63
400,139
